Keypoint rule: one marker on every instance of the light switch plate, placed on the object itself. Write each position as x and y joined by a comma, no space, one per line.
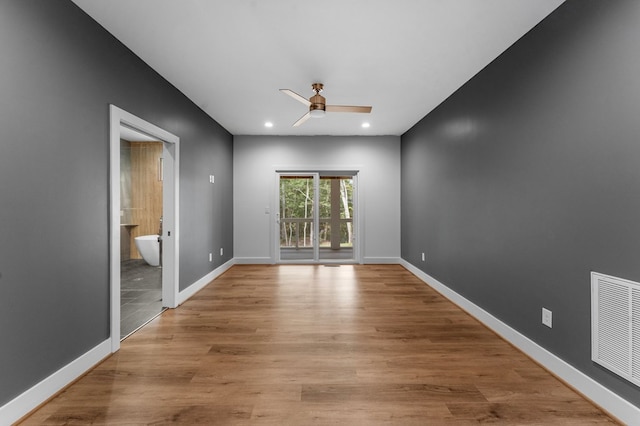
547,317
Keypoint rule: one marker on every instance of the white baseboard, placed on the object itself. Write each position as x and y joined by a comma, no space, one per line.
21,405
31,398
269,261
253,261
185,294
381,260
609,401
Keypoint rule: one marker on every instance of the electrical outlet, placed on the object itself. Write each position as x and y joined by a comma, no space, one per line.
423,257
221,251
210,257
547,317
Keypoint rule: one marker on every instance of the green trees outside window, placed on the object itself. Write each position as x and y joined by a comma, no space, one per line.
335,210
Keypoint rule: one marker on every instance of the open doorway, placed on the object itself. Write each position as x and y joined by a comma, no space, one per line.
154,217
141,216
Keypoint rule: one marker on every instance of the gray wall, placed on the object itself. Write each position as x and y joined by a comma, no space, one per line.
59,71
377,158
528,178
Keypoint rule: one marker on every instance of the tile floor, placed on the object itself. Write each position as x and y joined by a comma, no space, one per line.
140,294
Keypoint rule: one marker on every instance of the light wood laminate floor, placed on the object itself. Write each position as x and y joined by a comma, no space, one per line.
305,344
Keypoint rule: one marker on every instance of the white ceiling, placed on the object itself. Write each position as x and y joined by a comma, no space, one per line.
403,57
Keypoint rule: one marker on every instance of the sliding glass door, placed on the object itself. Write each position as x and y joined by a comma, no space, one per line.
315,221
298,227
336,235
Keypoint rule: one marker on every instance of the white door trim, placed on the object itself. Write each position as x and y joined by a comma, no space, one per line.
170,257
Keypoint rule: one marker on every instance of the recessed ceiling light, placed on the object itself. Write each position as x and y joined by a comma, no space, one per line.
366,125
268,124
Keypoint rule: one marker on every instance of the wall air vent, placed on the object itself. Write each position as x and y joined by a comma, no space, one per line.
615,325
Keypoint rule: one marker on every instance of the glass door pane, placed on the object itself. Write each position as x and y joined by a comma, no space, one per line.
336,230
297,225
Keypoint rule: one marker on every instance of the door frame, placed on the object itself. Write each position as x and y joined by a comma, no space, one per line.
170,206
319,171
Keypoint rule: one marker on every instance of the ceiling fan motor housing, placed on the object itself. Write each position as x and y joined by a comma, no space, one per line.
318,104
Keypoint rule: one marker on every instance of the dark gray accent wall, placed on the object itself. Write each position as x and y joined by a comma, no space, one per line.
59,71
528,178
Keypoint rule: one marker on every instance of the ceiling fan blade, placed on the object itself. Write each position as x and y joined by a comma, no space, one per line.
347,108
295,96
302,119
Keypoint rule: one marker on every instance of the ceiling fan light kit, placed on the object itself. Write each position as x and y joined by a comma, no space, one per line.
318,105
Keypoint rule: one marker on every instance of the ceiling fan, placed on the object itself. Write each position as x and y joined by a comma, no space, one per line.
318,107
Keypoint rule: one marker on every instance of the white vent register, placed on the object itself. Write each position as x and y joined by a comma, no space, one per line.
615,325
